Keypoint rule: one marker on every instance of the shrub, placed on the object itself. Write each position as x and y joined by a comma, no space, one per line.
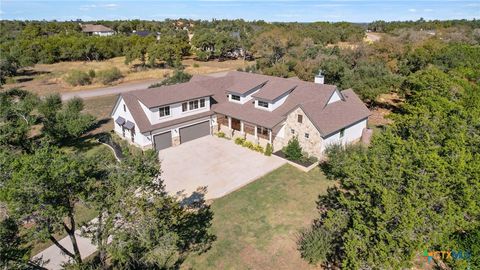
293,151
195,65
77,77
109,75
178,77
314,245
239,141
202,55
91,73
268,150
248,144
221,134
258,148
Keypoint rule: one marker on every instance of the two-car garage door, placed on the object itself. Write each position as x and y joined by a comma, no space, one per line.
189,133
194,131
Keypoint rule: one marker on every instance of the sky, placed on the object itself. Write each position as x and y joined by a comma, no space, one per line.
267,10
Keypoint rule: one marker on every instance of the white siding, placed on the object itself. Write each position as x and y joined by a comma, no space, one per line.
175,111
335,97
273,105
139,138
351,134
244,98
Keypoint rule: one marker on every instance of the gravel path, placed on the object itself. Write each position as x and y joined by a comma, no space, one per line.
111,90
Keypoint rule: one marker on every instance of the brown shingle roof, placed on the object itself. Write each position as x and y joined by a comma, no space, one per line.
164,95
311,97
244,82
87,28
337,115
274,89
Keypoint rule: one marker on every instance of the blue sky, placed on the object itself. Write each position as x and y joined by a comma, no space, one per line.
268,10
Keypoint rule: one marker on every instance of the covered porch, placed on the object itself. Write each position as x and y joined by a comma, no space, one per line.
234,128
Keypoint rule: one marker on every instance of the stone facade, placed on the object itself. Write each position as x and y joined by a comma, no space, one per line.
312,144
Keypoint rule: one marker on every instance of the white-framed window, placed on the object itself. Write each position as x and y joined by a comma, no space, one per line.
164,111
184,106
307,135
342,132
193,104
263,104
235,97
292,131
202,103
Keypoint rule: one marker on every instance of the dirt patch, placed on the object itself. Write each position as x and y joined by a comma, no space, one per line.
386,104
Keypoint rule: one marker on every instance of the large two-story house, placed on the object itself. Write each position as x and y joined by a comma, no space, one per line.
262,109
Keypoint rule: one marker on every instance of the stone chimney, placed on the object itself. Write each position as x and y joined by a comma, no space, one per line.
319,78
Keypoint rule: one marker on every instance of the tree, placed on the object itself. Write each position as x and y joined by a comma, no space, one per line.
45,187
293,150
169,49
413,188
64,122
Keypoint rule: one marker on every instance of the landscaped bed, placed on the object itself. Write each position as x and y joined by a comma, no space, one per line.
307,162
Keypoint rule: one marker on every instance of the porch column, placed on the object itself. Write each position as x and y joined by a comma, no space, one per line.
229,122
270,136
255,132
241,127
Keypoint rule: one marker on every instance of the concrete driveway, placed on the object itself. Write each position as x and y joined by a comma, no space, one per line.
217,164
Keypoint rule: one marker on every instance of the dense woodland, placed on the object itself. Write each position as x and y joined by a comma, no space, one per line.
415,188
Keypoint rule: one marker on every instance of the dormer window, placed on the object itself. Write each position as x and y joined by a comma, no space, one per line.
164,111
235,97
202,103
263,104
193,104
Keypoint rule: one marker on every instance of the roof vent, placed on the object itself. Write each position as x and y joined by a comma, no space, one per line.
319,78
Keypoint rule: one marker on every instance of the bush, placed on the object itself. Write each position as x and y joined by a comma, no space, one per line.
178,77
258,148
315,245
77,77
293,151
268,150
109,75
202,55
195,65
221,134
91,73
248,145
239,141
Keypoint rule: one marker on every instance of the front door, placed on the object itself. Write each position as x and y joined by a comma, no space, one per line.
235,124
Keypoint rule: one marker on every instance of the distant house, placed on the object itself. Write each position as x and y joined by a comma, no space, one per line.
97,30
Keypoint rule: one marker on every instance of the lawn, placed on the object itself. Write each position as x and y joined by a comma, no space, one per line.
101,107
257,226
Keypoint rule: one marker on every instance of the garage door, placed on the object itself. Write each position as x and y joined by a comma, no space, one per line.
163,140
194,131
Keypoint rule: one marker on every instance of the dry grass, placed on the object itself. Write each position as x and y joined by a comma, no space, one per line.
101,107
44,79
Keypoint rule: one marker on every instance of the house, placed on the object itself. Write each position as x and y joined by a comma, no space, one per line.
263,109
143,33
96,30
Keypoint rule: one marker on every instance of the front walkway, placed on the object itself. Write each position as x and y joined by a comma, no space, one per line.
217,164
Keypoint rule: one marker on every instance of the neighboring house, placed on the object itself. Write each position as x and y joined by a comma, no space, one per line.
263,109
97,30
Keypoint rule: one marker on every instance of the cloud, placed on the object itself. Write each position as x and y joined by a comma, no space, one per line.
412,10
428,10
93,6
110,5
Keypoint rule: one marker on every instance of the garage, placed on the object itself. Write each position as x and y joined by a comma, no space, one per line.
194,131
163,140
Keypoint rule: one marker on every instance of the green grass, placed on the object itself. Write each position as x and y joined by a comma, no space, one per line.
257,226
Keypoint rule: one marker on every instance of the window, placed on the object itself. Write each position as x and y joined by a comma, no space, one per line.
124,107
300,118
235,97
202,103
307,135
342,132
263,104
184,107
193,104
262,131
292,131
164,111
